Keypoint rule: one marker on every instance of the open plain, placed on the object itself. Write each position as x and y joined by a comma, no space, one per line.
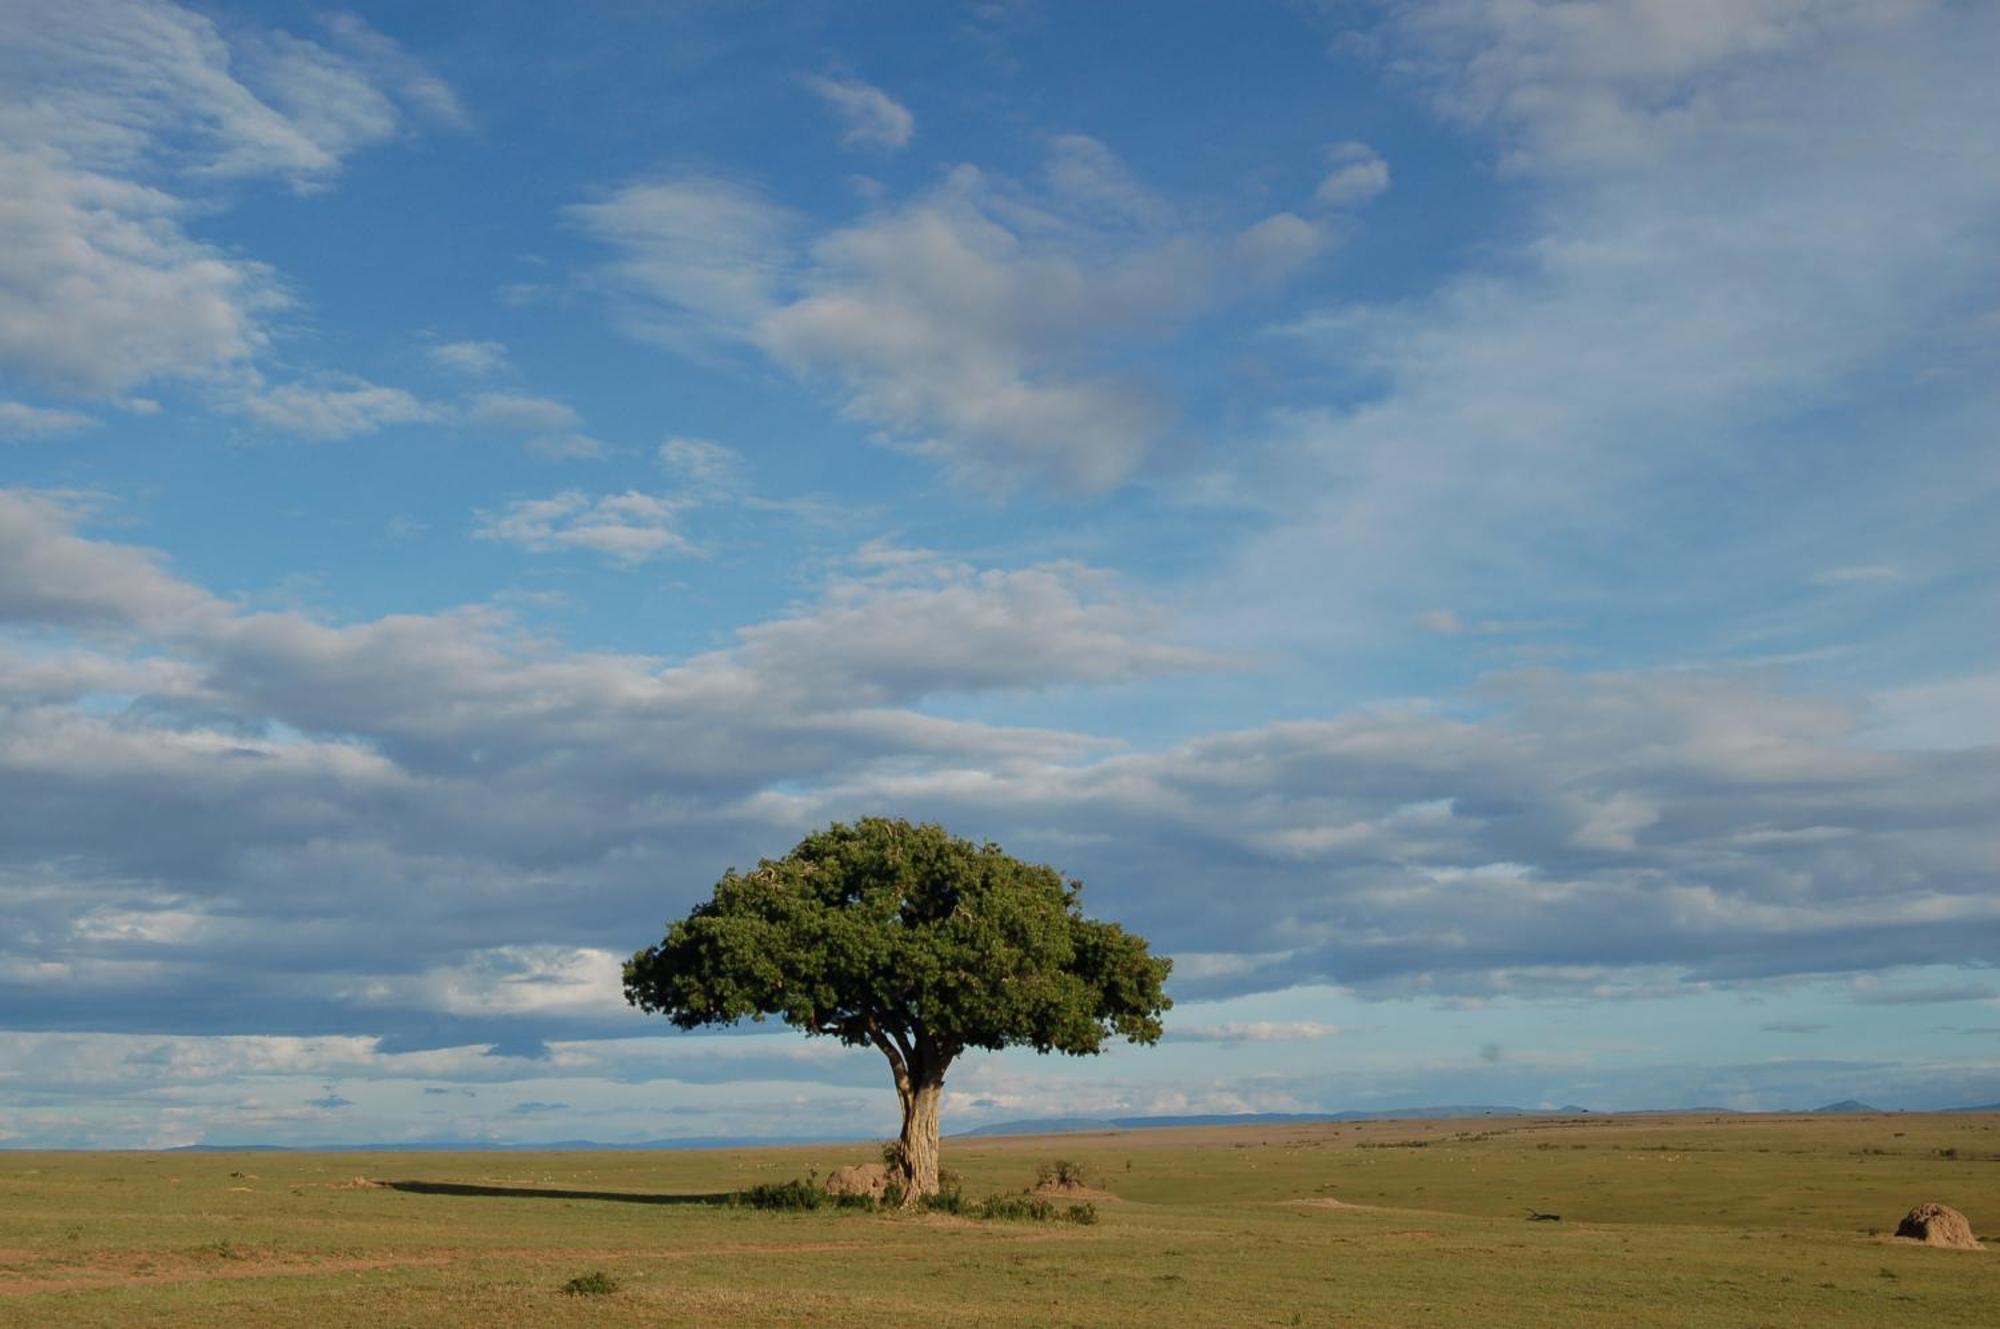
1686,1221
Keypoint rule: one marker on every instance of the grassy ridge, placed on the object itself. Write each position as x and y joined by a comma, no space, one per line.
1688,1222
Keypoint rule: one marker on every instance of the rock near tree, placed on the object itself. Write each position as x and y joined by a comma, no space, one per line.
869,1179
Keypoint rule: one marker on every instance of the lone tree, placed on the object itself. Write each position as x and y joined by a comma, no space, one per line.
912,941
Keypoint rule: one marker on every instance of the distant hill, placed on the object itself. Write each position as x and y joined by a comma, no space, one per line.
1026,1126
529,1147
1074,1125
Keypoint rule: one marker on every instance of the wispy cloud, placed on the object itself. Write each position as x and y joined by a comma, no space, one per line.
118,112
331,407
964,322
477,359
1356,175
870,117
628,528
1255,1031
19,420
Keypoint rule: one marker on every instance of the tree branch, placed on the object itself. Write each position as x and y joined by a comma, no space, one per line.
892,1048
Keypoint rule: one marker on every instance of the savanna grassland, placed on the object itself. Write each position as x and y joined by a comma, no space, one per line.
1683,1221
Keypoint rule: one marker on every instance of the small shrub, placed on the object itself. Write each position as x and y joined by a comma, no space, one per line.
795,1195
1062,1172
596,1283
1015,1208
1083,1215
946,1200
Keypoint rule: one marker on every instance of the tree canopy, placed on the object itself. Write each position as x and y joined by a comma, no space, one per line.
910,940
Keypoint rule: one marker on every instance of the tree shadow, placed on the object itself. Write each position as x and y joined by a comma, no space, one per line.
546,1193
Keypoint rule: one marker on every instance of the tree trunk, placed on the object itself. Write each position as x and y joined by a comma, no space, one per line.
921,1102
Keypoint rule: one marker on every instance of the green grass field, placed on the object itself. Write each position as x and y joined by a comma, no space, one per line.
1729,1221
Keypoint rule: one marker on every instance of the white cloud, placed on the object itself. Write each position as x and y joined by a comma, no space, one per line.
554,428
61,578
19,420
423,92
191,788
967,323
1255,1031
1278,246
914,626
509,980
1609,84
106,291
568,447
477,359
516,410
1665,315
870,118
116,115
1443,622
1942,713
702,463
335,406
627,528
1089,176
969,339
1358,174
1449,623
706,259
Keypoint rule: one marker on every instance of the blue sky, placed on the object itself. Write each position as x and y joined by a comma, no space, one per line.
1466,522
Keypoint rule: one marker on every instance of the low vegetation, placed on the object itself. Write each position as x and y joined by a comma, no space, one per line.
597,1283
1061,1174
804,1195
1696,1223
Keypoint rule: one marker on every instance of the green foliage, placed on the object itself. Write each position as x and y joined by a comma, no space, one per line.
948,1198
597,1283
1062,1172
945,1200
885,927
796,1194
1016,1208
